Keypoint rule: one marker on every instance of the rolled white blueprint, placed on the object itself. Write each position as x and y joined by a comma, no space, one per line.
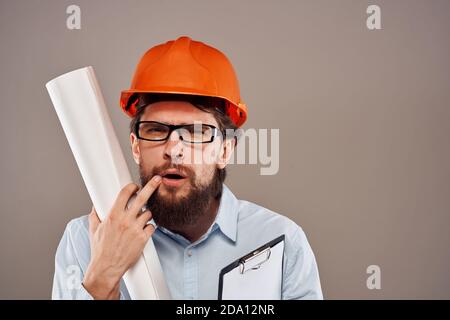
81,110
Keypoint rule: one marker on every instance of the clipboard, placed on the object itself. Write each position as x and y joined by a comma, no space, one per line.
257,275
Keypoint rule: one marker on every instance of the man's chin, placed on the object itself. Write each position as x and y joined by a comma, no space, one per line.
170,192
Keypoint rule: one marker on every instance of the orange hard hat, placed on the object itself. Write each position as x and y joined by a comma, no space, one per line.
185,66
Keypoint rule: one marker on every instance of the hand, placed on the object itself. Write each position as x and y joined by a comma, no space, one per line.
118,241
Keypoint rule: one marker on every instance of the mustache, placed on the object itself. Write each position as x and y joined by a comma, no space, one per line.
186,171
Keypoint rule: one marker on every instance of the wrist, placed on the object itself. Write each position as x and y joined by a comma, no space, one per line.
101,284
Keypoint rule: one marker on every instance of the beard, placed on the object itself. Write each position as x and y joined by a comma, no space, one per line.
174,212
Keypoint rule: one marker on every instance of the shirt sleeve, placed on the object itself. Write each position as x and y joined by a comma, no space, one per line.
68,277
301,275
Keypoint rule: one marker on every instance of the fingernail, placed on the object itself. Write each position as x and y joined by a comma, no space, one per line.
157,178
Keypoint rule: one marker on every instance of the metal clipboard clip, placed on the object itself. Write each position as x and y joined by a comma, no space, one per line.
254,261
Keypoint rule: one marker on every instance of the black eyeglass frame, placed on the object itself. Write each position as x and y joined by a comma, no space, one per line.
172,128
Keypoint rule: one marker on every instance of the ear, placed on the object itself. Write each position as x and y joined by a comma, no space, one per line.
226,152
135,150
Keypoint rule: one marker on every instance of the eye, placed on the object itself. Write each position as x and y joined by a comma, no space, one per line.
155,130
197,129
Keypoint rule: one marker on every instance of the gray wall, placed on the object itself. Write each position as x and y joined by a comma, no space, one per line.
364,119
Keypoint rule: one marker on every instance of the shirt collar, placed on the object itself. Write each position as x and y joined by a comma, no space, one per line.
227,214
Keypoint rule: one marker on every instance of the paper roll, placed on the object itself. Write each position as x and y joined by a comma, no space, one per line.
81,110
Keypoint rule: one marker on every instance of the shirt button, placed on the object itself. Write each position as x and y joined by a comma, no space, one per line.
189,253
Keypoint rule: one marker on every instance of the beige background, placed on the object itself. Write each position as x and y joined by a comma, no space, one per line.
364,120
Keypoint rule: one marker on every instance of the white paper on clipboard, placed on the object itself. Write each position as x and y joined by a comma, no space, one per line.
81,110
257,275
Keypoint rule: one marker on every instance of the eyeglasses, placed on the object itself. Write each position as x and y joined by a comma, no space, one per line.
192,133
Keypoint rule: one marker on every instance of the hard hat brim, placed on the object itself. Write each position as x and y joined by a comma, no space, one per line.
236,111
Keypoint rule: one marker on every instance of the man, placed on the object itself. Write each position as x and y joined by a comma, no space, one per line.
184,101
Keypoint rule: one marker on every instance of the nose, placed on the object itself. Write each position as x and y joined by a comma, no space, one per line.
174,148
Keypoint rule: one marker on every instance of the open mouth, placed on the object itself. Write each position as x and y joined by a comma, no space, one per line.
173,178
